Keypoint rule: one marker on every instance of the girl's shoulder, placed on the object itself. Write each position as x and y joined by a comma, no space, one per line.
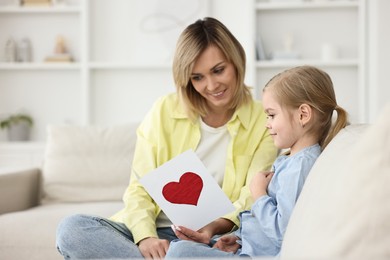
309,152
305,157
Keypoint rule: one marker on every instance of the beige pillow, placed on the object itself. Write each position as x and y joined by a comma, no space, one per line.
344,208
87,163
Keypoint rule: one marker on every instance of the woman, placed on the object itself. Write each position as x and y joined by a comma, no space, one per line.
212,113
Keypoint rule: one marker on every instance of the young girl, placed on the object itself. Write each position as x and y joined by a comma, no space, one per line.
299,103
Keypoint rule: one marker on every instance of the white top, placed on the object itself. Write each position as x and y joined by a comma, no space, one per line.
212,151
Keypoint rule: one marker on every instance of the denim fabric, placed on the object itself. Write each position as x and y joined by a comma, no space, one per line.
93,237
187,249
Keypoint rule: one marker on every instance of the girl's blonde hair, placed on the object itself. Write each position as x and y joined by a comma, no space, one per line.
312,86
191,43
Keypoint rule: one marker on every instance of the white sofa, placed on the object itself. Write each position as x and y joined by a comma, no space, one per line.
343,212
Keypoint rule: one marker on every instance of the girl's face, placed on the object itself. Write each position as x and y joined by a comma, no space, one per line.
283,125
214,78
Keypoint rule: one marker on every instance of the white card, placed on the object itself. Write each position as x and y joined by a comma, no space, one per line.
186,192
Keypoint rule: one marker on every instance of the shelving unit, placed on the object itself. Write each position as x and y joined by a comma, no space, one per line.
116,45
22,83
304,26
122,52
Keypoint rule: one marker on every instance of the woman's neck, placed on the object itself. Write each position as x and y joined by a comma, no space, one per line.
215,119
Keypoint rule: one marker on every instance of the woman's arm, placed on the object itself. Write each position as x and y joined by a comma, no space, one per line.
140,211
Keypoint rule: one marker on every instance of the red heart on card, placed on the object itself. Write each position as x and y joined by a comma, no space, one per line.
186,191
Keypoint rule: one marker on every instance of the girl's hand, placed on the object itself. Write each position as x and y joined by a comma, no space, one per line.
204,235
189,234
259,184
227,243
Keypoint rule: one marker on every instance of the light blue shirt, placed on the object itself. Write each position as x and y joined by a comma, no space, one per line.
262,228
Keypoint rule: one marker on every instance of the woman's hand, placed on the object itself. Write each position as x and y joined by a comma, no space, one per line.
153,248
227,243
259,184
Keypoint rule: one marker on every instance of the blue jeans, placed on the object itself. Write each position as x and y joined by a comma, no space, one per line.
93,237
188,249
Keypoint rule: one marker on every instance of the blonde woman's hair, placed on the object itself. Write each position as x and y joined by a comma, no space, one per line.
312,86
191,43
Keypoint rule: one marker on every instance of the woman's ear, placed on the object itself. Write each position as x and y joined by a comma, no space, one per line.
305,114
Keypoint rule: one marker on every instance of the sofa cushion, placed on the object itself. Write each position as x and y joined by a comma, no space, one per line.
31,234
344,211
87,163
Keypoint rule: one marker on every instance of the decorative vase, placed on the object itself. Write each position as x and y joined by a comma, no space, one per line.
10,50
19,132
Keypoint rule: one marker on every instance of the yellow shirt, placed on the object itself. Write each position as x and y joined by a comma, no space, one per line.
167,132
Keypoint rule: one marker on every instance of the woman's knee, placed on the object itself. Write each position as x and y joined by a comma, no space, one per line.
73,222
90,237
182,249
70,228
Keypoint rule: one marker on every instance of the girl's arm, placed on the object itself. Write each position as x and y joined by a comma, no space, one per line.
204,235
274,209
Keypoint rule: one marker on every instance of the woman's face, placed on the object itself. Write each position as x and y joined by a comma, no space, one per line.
214,78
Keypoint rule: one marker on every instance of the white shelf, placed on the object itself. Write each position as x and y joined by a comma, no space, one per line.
127,66
39,66
16,145
39,9
313,62
306,5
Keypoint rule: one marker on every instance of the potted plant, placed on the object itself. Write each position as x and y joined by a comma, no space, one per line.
18,126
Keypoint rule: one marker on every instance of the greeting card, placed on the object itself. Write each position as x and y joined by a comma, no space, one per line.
186,192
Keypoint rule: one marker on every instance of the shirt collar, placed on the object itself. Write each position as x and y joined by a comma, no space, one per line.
242,114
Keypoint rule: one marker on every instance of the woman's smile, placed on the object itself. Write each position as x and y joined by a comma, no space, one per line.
214,78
